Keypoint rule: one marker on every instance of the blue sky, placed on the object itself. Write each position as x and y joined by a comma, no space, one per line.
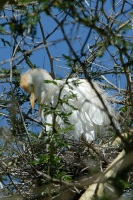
40,58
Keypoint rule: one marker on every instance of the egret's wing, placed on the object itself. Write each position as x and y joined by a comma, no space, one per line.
87,110
73,99
92,104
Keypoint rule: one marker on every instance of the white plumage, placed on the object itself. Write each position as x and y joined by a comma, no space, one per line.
88,114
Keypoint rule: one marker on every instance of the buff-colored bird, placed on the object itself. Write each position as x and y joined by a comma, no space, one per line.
74,97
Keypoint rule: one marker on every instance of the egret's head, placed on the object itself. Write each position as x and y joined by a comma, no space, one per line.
26,83
32,82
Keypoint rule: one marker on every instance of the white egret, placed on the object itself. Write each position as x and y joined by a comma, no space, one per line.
75,97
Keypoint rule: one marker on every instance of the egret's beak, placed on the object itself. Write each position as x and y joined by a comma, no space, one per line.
32,99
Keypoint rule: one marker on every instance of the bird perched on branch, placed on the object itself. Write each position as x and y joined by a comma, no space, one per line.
73,101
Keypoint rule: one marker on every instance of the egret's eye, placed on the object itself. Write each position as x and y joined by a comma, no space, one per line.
30,88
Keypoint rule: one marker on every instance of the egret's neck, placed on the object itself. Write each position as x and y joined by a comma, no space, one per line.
49,89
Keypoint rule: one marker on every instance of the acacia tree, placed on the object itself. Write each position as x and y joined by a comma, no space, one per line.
88,39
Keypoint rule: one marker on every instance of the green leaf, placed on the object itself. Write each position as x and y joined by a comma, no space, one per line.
50,81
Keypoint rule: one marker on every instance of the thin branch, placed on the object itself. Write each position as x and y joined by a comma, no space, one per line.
47,49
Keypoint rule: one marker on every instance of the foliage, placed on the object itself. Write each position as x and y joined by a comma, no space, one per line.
87,39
